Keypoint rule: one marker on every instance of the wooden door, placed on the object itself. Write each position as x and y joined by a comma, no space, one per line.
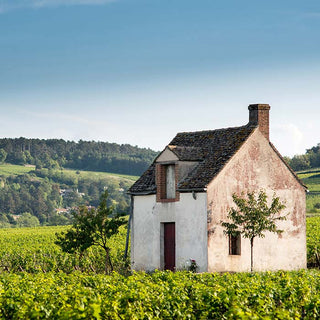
169,246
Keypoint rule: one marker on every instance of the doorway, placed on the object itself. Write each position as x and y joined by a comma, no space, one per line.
169,246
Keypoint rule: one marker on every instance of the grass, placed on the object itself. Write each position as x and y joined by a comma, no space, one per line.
308,172
311,178
95,175
11,169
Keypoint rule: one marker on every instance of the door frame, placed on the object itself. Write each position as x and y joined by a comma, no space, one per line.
162,244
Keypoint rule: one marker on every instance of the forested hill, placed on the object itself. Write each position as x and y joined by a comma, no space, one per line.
82,155
309,160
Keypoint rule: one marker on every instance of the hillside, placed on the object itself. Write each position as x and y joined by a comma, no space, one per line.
42,181
43,187
309,160
50,194
311,178
82,155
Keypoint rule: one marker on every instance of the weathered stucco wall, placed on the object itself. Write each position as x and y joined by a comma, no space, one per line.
167,155
256,166
190,217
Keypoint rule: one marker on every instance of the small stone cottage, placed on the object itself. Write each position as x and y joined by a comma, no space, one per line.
179,202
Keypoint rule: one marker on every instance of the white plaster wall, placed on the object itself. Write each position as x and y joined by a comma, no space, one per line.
190,217
257,166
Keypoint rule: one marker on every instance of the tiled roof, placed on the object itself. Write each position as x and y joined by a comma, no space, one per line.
187,153
211,148
146,183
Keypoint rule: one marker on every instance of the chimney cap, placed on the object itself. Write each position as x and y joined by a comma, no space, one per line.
259,115
259,106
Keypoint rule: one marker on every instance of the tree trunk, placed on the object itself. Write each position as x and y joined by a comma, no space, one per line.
251,245
108,263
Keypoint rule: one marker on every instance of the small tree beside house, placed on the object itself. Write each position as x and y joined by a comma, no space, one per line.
253,217
92,227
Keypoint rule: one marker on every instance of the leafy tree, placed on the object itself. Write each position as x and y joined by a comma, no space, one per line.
58,220
38,192
92,227
3,155
86,155
27,220
300,162
4,221
253,217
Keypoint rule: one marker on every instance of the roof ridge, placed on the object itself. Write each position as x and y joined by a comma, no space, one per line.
212,149
248,125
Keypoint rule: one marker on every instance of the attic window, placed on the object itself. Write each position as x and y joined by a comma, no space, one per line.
166,183
170,181
235,245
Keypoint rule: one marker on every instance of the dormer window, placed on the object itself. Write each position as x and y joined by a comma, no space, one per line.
167,182
170,181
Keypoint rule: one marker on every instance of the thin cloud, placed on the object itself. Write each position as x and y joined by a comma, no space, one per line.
289,138
9,5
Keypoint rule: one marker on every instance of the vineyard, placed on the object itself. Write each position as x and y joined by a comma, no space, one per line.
39,281
311,179
33,250
161,295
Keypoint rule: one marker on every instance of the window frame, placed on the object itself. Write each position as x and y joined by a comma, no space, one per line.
235,245
170,188
161,182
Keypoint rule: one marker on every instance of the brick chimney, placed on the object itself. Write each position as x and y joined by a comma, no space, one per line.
259,115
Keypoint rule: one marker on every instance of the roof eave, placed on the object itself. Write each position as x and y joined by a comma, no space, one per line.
141,193
192,190
287,165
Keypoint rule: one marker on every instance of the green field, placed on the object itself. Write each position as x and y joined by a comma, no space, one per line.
97,175
33,250
161,295
311,178
11,169
38,281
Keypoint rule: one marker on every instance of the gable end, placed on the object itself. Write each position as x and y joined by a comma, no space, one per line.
288,167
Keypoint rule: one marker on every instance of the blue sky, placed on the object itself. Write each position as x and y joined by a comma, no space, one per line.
138,71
